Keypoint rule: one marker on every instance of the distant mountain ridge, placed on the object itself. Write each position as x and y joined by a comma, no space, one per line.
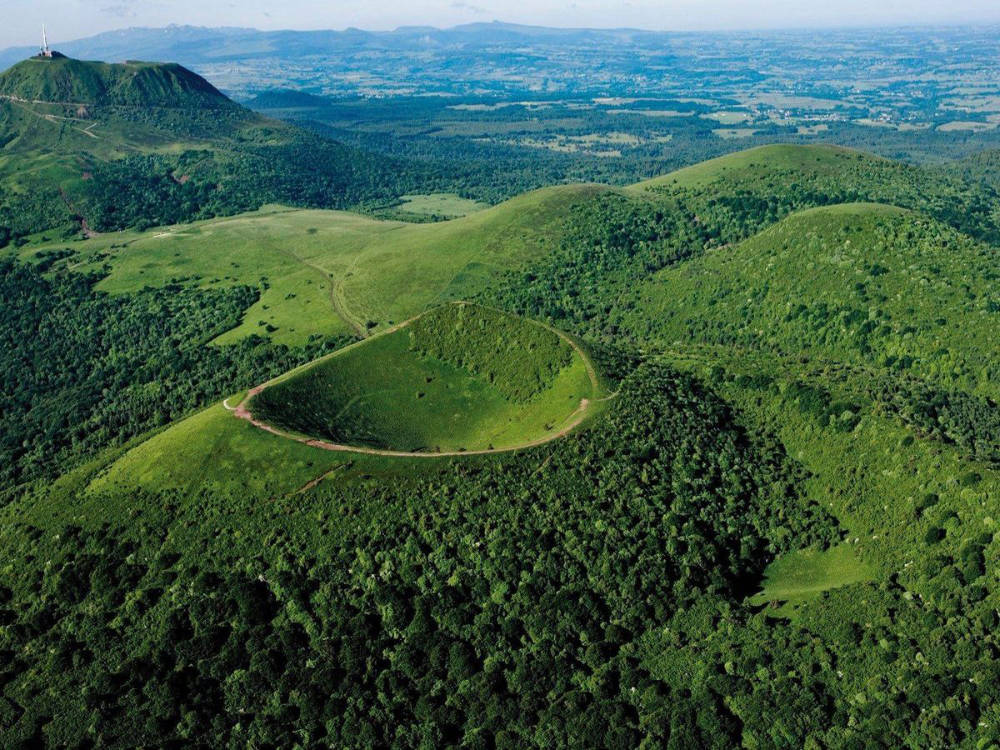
195,44
63,80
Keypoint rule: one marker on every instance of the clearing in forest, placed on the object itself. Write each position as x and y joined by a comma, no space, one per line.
807,573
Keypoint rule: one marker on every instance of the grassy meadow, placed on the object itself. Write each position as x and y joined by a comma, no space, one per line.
385,394
806,574
445,205
329,272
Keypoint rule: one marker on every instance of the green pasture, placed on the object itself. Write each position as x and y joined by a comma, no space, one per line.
728,117
328,272
449,205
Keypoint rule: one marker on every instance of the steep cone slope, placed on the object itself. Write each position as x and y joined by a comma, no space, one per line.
111,146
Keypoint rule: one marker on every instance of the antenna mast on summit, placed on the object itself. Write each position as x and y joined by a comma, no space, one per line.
46,52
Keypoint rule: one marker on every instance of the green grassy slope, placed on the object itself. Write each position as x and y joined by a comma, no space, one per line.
133,84
771,181
213,452
805,574
458,378
782,157
140,144
332,272
374,385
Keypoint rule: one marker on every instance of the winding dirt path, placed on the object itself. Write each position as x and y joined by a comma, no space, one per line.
242,410
55,119
336,298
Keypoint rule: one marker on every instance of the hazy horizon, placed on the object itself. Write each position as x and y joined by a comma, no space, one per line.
68,20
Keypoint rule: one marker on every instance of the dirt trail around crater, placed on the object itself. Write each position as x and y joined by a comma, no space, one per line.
242,410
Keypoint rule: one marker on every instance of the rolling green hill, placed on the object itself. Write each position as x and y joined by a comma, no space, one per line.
62,80
800,160
861,283
611,246
768,182
349,274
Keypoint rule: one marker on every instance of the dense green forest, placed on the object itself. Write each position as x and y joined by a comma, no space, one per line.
151,190
478,606
82,370
613,244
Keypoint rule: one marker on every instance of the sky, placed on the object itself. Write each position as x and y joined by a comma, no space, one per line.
73,19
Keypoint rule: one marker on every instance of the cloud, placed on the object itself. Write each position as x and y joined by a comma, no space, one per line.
119,10
462,5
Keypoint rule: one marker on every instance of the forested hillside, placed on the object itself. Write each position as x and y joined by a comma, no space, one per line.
615,244
61,80
83,371
502,603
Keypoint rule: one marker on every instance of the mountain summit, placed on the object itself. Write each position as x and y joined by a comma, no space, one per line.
105,146
63,80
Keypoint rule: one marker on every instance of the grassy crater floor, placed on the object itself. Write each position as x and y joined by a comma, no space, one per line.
458,378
